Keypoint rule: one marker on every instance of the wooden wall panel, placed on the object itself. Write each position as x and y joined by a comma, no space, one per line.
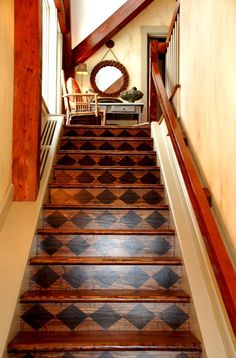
27,99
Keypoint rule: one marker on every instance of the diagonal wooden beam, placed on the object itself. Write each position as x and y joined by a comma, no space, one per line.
127,12
61,14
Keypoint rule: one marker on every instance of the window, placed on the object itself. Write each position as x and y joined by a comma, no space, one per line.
51,57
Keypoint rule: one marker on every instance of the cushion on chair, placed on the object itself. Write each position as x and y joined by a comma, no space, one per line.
72,85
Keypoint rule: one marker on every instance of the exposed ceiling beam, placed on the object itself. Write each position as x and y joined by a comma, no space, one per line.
119,19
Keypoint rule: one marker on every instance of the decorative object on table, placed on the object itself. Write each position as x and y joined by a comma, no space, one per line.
132,95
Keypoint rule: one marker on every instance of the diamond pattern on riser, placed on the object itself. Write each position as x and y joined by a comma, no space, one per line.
122,145
105,316
106,132
106,219
106,176
106,245
151,277
109,354
102,196
103,159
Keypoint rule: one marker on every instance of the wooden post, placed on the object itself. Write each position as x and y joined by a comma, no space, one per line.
27,100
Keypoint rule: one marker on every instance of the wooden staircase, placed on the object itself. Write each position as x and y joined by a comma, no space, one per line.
106,282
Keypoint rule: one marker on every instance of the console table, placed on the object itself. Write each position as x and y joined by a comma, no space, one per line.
132,110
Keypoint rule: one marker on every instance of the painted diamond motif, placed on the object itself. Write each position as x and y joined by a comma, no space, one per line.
37,316
144,146
71,316
130,197
83,196
106,277
81,219
105,246
105,316
125,146
89,133
131,219
106,146
50,245
139,316
136,277
56,219
126,161
86,160
66,160
63,177
78,245
84,177
106,219
106,178
124,134
28,355
173,316
152,197
166,277
71,133
69,146
143,355
107,133
75,277
133,246
106,161
88,146
106,355
45,277
156,219
106,197
146,161
160,246
149,178
128,178
142,133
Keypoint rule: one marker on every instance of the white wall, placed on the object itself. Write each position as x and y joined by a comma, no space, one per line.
6,97
208,100
87,15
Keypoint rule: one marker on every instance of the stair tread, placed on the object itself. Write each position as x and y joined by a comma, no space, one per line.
111,295
105,231
105,206
120,139
105,168
113,340
98,260
105,152
113,186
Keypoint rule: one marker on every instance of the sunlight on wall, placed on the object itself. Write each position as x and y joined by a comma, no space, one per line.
6,98
208,100
91,14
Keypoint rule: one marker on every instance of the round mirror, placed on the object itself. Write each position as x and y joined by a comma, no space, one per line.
109,78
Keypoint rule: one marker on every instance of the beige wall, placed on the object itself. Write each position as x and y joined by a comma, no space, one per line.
6,97
208,99
128,42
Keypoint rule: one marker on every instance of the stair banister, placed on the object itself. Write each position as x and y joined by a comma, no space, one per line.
222,266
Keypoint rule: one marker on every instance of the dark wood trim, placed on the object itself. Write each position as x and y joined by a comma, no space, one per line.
67,50
61,14
127,12
27,100
222,266
173,92
172,24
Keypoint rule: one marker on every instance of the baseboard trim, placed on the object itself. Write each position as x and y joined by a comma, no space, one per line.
5,206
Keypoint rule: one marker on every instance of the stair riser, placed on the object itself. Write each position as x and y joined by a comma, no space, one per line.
107,132
109,354
123,145
106,245
69,277
106,177
64,219
108,316
113,197
104,160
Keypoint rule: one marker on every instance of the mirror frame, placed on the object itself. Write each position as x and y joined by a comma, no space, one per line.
106,63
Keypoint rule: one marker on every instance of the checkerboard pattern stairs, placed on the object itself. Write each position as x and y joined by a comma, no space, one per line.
106,282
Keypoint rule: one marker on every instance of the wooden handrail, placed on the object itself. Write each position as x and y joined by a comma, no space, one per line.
172,25
222,266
